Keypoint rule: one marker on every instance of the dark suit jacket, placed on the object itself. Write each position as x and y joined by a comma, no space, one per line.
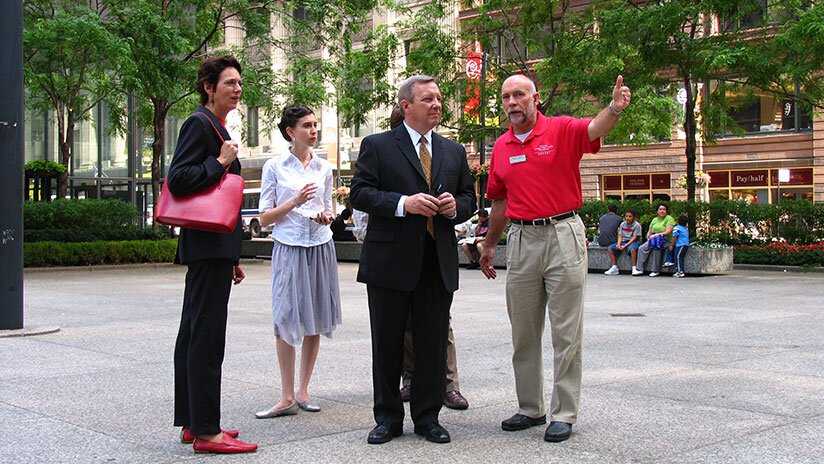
193,168
388,167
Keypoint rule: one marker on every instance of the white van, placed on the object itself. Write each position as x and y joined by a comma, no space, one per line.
250,215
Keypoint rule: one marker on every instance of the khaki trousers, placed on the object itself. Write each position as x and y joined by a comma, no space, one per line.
451,360
547,264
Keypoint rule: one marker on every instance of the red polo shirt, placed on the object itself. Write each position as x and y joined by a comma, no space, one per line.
540,177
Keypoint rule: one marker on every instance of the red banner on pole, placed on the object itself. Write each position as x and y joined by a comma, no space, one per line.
474,65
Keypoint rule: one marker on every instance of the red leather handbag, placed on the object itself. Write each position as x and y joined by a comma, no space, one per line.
214,209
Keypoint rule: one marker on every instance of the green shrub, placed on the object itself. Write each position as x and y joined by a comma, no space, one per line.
43,254
729,222
44,168
84,221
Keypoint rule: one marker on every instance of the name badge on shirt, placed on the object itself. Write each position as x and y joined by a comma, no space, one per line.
515,159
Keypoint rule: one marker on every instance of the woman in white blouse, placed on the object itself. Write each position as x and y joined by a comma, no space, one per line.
296,198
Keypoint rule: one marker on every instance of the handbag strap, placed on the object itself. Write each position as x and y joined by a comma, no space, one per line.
217,132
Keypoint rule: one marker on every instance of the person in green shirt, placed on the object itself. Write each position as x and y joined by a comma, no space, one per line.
659,233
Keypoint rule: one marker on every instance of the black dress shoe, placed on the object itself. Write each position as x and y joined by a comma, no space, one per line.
434,433
383,433
521,422
557,431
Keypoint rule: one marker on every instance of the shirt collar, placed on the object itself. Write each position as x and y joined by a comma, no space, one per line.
541,124
416,137
292,159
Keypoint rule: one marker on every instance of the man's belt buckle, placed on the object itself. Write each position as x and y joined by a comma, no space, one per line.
552,219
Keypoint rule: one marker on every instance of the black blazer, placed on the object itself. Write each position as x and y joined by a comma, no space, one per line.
193,168
388,167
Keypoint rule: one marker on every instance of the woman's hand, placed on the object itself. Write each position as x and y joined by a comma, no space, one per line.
324,218
238,275
228,153
306,193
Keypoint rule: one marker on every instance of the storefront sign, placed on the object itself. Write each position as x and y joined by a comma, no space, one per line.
719,179
612,182
803,176
636,182
756,178
660,181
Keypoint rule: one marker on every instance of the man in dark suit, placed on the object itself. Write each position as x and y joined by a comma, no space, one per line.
416,186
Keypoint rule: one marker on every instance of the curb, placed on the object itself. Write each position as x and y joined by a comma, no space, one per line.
114,267
774,268
99,267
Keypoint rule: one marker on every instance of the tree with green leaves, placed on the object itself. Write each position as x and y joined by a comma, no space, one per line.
167,41
574,52
72,62
728,41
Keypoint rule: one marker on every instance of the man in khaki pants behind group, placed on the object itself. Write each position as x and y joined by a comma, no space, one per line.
535,182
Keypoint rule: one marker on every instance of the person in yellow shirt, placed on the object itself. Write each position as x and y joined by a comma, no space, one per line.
658,235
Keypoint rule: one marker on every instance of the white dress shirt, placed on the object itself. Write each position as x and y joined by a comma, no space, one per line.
282,178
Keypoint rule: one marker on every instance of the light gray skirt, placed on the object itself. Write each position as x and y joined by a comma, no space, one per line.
305,292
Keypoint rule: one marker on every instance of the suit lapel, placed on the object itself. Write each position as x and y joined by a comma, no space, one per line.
405,145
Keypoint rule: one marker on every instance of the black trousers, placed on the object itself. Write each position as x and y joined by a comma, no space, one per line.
200,345
389,310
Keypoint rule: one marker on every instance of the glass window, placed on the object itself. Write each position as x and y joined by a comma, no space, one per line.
252,127
751,14
173,125
84,150
719,194
757,111
752,196
114,151
637,197
805,193
35,135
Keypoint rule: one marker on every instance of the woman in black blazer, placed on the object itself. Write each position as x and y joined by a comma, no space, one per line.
200,160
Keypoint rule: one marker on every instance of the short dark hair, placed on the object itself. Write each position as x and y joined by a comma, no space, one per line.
632,212
482,212
683,219
209,73
612,208
664,205
290,118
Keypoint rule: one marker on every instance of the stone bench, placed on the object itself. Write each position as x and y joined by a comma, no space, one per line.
698,261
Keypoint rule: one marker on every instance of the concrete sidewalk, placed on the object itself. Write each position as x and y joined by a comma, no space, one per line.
720,369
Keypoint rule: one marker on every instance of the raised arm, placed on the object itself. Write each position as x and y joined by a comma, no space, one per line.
608,117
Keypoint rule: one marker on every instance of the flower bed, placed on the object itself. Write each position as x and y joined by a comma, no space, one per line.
781,254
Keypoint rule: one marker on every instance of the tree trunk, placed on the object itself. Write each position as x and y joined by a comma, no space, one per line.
161,108
66,142
691,131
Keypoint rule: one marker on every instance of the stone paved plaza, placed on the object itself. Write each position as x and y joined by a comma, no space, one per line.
720,370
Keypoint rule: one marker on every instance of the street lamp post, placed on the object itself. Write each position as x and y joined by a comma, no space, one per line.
11,165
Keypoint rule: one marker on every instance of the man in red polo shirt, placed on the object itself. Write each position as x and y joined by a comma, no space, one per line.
535,182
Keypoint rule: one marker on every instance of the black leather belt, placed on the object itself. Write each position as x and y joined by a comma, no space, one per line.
544,221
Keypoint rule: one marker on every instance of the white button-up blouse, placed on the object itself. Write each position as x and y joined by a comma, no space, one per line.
281,179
